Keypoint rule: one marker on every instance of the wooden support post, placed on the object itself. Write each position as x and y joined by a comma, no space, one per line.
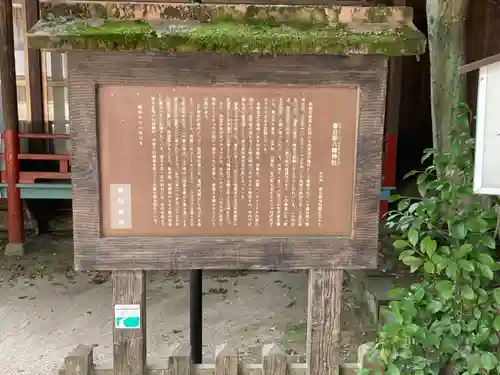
35,80
323,323
129,323
226,360
179,360
11,123
79,361
274,360
58,102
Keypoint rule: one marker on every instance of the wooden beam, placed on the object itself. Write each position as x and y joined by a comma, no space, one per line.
79,361
8,67
479,64
34,71
323,325
34,75
244,369
129,349
58,102
11,129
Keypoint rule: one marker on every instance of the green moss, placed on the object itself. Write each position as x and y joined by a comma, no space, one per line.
378,14
225,36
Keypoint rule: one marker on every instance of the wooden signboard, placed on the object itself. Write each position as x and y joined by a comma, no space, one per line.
225,137
214,136
281,170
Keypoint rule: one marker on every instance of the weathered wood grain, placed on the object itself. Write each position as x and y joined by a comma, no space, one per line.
129,345
8,70
245,369
79,361
226,360
273,360
324,321
179,359
89,69
35,80
329,13
164,368
259,2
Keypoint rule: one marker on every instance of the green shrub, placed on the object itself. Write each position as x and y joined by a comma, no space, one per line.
451,319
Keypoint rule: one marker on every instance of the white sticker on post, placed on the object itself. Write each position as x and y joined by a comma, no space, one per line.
128,316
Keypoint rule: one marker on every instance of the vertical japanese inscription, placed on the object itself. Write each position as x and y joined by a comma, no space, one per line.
198,166
235,161
250,163
267,159
170,174
177,157
228,177
154,171
161,123
192,155
258,144
242,132
140,125
335,161
176,161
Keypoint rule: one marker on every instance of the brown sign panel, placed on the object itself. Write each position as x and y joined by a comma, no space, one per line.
227,161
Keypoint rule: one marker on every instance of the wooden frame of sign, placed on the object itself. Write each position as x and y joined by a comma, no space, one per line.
353,247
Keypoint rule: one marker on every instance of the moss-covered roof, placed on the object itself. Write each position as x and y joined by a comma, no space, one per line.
229,29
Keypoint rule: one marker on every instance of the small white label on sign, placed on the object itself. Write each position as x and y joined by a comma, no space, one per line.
128,316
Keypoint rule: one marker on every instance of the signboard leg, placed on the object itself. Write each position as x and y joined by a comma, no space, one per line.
196,315
323,321
129,325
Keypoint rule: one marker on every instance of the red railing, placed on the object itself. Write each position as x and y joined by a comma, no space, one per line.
31,176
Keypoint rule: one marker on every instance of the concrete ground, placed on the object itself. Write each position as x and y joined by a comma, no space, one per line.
47,309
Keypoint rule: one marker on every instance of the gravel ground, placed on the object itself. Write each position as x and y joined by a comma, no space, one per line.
47,309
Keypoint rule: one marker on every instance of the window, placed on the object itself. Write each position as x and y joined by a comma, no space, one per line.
54,69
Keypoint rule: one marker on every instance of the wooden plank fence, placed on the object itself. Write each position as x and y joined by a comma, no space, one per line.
227,362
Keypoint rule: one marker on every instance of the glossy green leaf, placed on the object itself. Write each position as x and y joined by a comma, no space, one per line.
496,295
466,265
472,325
463,251
486,259
400,244
451,270
428,246
467,292
458,230
394,198
429,267
488,241
403,204
411,173
413,207
496,323
488,361
413,236
392,370
486,271
476,224
434,306
445,288
455,329
413,262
